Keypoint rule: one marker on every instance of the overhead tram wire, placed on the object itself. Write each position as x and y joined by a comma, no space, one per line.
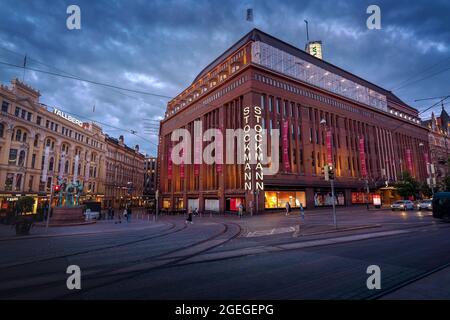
86,80
133,132
418,74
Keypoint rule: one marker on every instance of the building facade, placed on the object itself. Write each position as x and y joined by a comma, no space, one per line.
150,181
373,136
439,142
27,128
124,183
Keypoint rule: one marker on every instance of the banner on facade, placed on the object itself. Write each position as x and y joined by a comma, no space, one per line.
409,160
285,142
219,151
169,164
329,148
362,157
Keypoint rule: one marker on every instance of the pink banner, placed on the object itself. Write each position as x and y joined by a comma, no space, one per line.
169,164
409,160
329,149
219,152
285,145
182,165
362,157
197,154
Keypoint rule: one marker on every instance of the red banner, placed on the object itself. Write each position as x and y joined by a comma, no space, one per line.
197,154
219,151
285,146
329,149
182,165
409,160
362,157
169,164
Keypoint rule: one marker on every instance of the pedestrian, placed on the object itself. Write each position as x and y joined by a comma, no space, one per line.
129,214
288,208
240,210
302,211
119,218
189,216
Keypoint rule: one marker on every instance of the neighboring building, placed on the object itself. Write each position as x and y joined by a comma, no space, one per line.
150,181
124,174
27,127
439,142
296,91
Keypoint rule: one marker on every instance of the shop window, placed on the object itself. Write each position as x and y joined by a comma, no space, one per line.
166,203
278,199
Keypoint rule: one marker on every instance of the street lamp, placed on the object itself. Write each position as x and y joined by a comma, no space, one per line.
329,172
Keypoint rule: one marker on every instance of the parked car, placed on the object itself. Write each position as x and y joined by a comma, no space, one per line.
402,205
426,204
91,214
441,206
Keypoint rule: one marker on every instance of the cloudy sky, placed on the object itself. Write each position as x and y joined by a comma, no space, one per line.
160,46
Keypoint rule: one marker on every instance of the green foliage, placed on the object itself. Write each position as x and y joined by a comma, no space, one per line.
24,204
446,184
426,190
408,186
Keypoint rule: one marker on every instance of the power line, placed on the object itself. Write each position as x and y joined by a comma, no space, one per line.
424,78
86,80
422,71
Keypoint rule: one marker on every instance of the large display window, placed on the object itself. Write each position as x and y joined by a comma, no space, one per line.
324,198
278,199
232,204
212,205
360,197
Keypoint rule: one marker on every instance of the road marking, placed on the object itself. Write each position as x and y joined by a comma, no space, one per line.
261,233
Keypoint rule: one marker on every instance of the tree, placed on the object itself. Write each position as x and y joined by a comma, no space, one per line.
24,204
408,186
446,184
425,190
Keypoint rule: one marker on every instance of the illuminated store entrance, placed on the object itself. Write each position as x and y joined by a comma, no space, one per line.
278,199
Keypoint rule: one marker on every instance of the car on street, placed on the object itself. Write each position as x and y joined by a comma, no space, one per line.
426,204
441,206
402,205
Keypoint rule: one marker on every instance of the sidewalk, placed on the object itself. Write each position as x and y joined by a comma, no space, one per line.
433,287
7,232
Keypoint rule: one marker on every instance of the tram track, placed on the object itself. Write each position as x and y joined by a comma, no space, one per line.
163,259
73,254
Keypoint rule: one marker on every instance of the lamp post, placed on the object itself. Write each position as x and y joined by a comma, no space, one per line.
330,168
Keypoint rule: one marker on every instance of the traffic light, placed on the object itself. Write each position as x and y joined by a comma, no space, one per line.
325,173
331,172
56,189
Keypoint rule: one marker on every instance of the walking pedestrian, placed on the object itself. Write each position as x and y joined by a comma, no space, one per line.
240,210
302,211
288,208
119,218
129,212
189,216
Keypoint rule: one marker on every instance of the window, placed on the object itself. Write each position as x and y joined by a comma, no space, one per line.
2,130
21,158
29,115
47,123
9,181
23,114
12,156
50,164
38,120
24,137
33,160
5,106
18,135
17,112
36,140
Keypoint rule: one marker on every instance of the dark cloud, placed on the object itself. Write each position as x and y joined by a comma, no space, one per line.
160,46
